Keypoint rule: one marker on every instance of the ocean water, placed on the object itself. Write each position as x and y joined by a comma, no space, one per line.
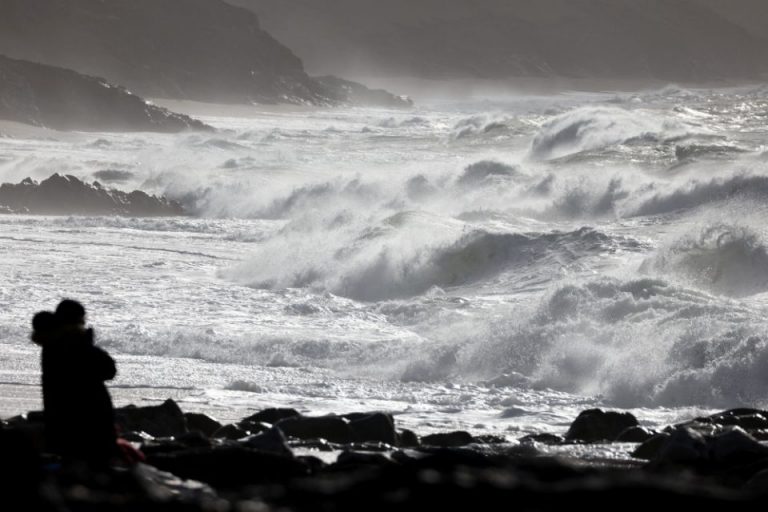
489,265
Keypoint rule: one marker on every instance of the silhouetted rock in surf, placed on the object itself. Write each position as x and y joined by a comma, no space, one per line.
597,425
67,195
203,50
65,100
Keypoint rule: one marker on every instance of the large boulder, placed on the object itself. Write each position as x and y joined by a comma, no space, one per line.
271,441
165,420
449,439
377,427
596,425
198,422
332,428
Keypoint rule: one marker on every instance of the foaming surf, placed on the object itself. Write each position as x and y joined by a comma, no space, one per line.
591,249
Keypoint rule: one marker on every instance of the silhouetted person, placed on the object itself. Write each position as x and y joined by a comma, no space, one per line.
79,416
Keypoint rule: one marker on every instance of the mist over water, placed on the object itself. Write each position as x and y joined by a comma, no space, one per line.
602,245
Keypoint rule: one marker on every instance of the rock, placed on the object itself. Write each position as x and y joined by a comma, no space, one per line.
736,447
448,440
683,447
232,432
62,99
758,483
356,94
635,435
373,427
271,441
650,449
596,425
333,428
230,467
544,438
165,420
272,416
747,419
67,195
197,422
23,419
349,459
136,437
407,439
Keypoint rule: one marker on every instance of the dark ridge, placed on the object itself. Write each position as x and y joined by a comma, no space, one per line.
61,99
67,195
677,40
202,50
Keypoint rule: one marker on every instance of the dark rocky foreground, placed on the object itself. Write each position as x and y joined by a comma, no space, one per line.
61,99
274,460
67,195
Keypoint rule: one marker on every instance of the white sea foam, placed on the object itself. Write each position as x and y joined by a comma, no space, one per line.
603,246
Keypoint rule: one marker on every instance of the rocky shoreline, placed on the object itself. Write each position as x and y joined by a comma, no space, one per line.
279,459
68,195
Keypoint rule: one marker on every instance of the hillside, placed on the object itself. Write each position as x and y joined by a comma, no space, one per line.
204,50
659,39
62,99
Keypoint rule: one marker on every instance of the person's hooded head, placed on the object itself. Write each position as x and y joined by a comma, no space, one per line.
70,314
44,327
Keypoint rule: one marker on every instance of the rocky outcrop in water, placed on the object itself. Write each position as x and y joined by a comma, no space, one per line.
67,195
64,100
203,50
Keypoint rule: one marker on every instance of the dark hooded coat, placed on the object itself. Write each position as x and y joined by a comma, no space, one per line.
79,416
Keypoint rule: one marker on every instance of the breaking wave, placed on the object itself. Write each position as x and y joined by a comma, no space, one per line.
395,260
633,342
590,128
725,259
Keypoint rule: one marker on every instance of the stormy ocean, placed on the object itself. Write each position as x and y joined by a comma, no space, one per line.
494,266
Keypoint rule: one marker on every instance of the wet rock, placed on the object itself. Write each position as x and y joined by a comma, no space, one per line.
735,446
136,437
271,441
544,438
373,427
197,422
333,428
635,435
232,432
682,447
165,420
348,459
596,425
650,449
230,467
407,439
272,415
447,440
758,483
747,419
194,440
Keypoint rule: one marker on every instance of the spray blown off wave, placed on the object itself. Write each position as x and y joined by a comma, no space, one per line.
590,128
730,260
